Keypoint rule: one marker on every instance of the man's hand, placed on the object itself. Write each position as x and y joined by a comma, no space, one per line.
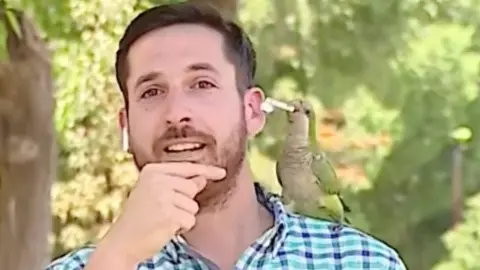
160,205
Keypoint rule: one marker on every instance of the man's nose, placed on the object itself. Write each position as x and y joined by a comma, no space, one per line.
178,120
178,111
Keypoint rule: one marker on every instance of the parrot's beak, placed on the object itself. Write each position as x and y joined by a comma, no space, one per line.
296,108
291,114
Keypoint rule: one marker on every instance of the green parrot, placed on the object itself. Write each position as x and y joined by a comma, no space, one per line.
310,186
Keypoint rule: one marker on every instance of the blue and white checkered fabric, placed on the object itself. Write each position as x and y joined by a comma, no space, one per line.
294,242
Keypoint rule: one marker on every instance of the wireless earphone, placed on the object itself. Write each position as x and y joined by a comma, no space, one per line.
124,138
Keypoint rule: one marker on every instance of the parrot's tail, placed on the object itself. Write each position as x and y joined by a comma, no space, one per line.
348,221
345,206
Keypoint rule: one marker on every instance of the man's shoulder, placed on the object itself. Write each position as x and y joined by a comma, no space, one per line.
77,259
73,260
345,244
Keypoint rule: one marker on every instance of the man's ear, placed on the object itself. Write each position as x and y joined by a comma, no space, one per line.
254,116
123,126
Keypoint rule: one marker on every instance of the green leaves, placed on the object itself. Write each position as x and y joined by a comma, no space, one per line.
462,240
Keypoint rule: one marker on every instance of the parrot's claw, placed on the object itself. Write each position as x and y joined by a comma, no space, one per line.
289,204
337,227
285,198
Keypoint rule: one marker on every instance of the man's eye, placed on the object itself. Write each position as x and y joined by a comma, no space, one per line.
203,85
150,92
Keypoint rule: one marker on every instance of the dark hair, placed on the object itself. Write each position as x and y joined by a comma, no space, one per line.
238,47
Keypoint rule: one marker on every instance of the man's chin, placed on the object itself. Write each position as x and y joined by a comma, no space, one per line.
215,194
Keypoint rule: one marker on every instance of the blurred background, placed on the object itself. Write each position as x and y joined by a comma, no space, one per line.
393,81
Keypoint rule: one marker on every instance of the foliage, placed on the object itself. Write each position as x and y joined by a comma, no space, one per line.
462,241
402,73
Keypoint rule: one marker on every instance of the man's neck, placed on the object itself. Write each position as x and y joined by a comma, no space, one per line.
222,236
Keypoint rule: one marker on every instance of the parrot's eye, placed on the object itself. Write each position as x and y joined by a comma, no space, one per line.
307,111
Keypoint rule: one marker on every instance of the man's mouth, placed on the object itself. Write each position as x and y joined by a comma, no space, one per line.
184,147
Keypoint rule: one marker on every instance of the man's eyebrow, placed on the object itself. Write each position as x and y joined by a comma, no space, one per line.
202,66
148,77
153,75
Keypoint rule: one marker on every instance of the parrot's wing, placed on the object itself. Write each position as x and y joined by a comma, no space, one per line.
327,178
346,208
325,174
277,172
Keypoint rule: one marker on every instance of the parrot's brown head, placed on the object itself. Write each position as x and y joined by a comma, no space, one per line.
302,111
299,119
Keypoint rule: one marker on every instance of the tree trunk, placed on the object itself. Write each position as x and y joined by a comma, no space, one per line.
27,149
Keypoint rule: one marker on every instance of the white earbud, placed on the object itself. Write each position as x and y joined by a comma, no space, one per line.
124,139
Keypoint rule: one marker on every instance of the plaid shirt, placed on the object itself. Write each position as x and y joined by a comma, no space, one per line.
294,242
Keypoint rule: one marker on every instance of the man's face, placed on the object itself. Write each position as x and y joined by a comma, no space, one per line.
184,104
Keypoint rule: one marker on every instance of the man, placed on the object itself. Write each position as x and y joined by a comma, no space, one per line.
187,79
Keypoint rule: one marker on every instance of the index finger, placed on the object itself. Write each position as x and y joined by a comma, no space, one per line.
188,170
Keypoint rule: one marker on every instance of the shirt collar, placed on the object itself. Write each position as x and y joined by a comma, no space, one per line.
278,232
280,216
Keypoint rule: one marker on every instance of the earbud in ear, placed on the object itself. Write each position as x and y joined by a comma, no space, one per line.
124,138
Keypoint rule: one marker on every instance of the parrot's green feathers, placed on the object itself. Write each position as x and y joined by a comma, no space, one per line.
11,21
325,173
333,204
312,131
321,166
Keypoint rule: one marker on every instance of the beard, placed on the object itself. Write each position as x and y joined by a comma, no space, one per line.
229,156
